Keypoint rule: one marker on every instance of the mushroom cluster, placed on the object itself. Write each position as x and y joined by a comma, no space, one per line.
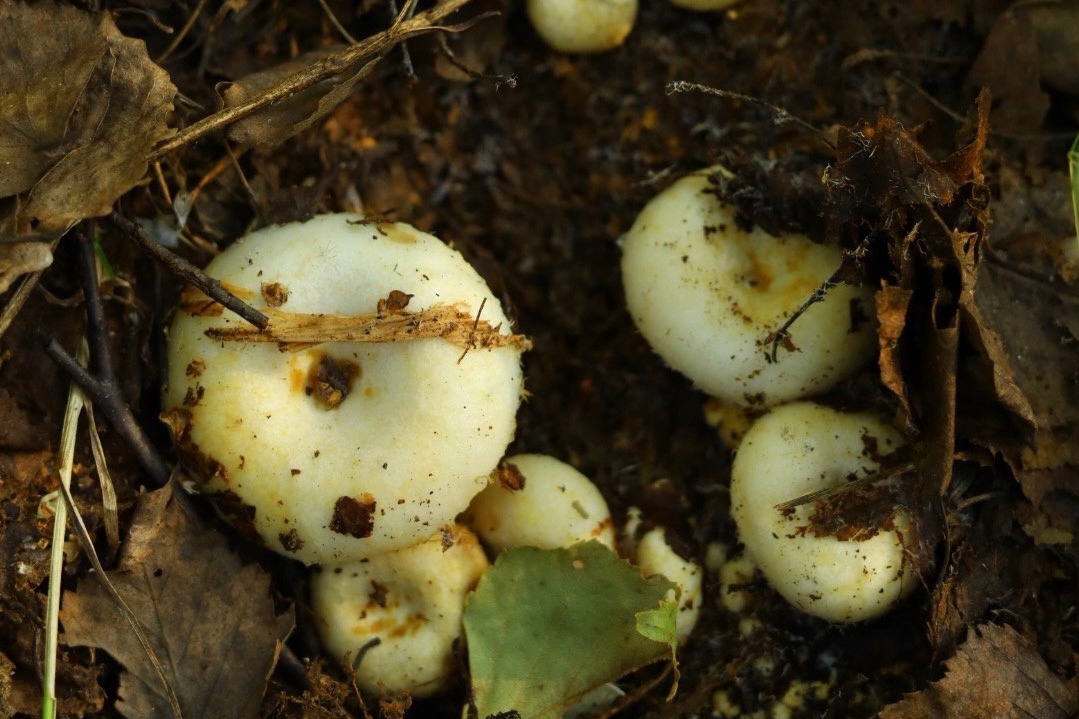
709,295
354,430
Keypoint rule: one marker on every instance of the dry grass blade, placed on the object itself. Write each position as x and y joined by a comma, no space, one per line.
76,403
295,331
56,558
109,504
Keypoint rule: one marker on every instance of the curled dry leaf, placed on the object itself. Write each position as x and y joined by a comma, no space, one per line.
83,106
995,673
210,620
283,119
1039,327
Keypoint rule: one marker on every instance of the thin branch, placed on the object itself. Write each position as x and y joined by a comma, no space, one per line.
182,34
106,396
780,116
336,23
782,335
325,69
97,329
187,271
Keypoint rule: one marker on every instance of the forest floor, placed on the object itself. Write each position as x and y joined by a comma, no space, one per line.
533,164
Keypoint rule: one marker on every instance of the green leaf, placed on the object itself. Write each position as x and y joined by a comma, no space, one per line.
660,625
545,626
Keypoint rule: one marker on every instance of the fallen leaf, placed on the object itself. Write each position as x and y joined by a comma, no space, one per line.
546,626
20,258
916,225
1037,323
996,673
1009,66
1057,27
83,106
270,127
210,620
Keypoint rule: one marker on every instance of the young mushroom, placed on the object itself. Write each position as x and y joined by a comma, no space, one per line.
791,452
582,26
653,554
707,294
539,501
371,410
411,601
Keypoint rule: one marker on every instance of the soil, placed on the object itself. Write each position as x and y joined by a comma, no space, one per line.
532,164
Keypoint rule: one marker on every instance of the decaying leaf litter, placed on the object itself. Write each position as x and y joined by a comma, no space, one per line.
967,227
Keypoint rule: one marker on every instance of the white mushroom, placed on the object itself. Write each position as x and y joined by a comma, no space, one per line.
704,5
539,501
338,450
582,26
706,294
790,452
655,556
411,601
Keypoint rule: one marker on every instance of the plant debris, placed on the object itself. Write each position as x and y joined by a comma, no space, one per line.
295,331
210,619
90,106
995,673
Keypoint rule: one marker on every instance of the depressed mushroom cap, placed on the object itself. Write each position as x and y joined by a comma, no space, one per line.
540,501
707,294
801,448
341,450
411,600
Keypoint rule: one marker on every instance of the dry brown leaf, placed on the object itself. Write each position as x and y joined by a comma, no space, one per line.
996,673
83,106
1037,325
1009,65
266,129
925,220
20,258
1057,27
210,619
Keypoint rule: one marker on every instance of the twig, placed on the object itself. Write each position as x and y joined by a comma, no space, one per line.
182,34
102,388
780,116
782,335
106,396
336,23
406,56
323,70
178,265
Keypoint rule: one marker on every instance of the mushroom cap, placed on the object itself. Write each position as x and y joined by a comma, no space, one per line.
582,26
704,5
344,449
655,556
411,600
801,448
706,294
557,506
